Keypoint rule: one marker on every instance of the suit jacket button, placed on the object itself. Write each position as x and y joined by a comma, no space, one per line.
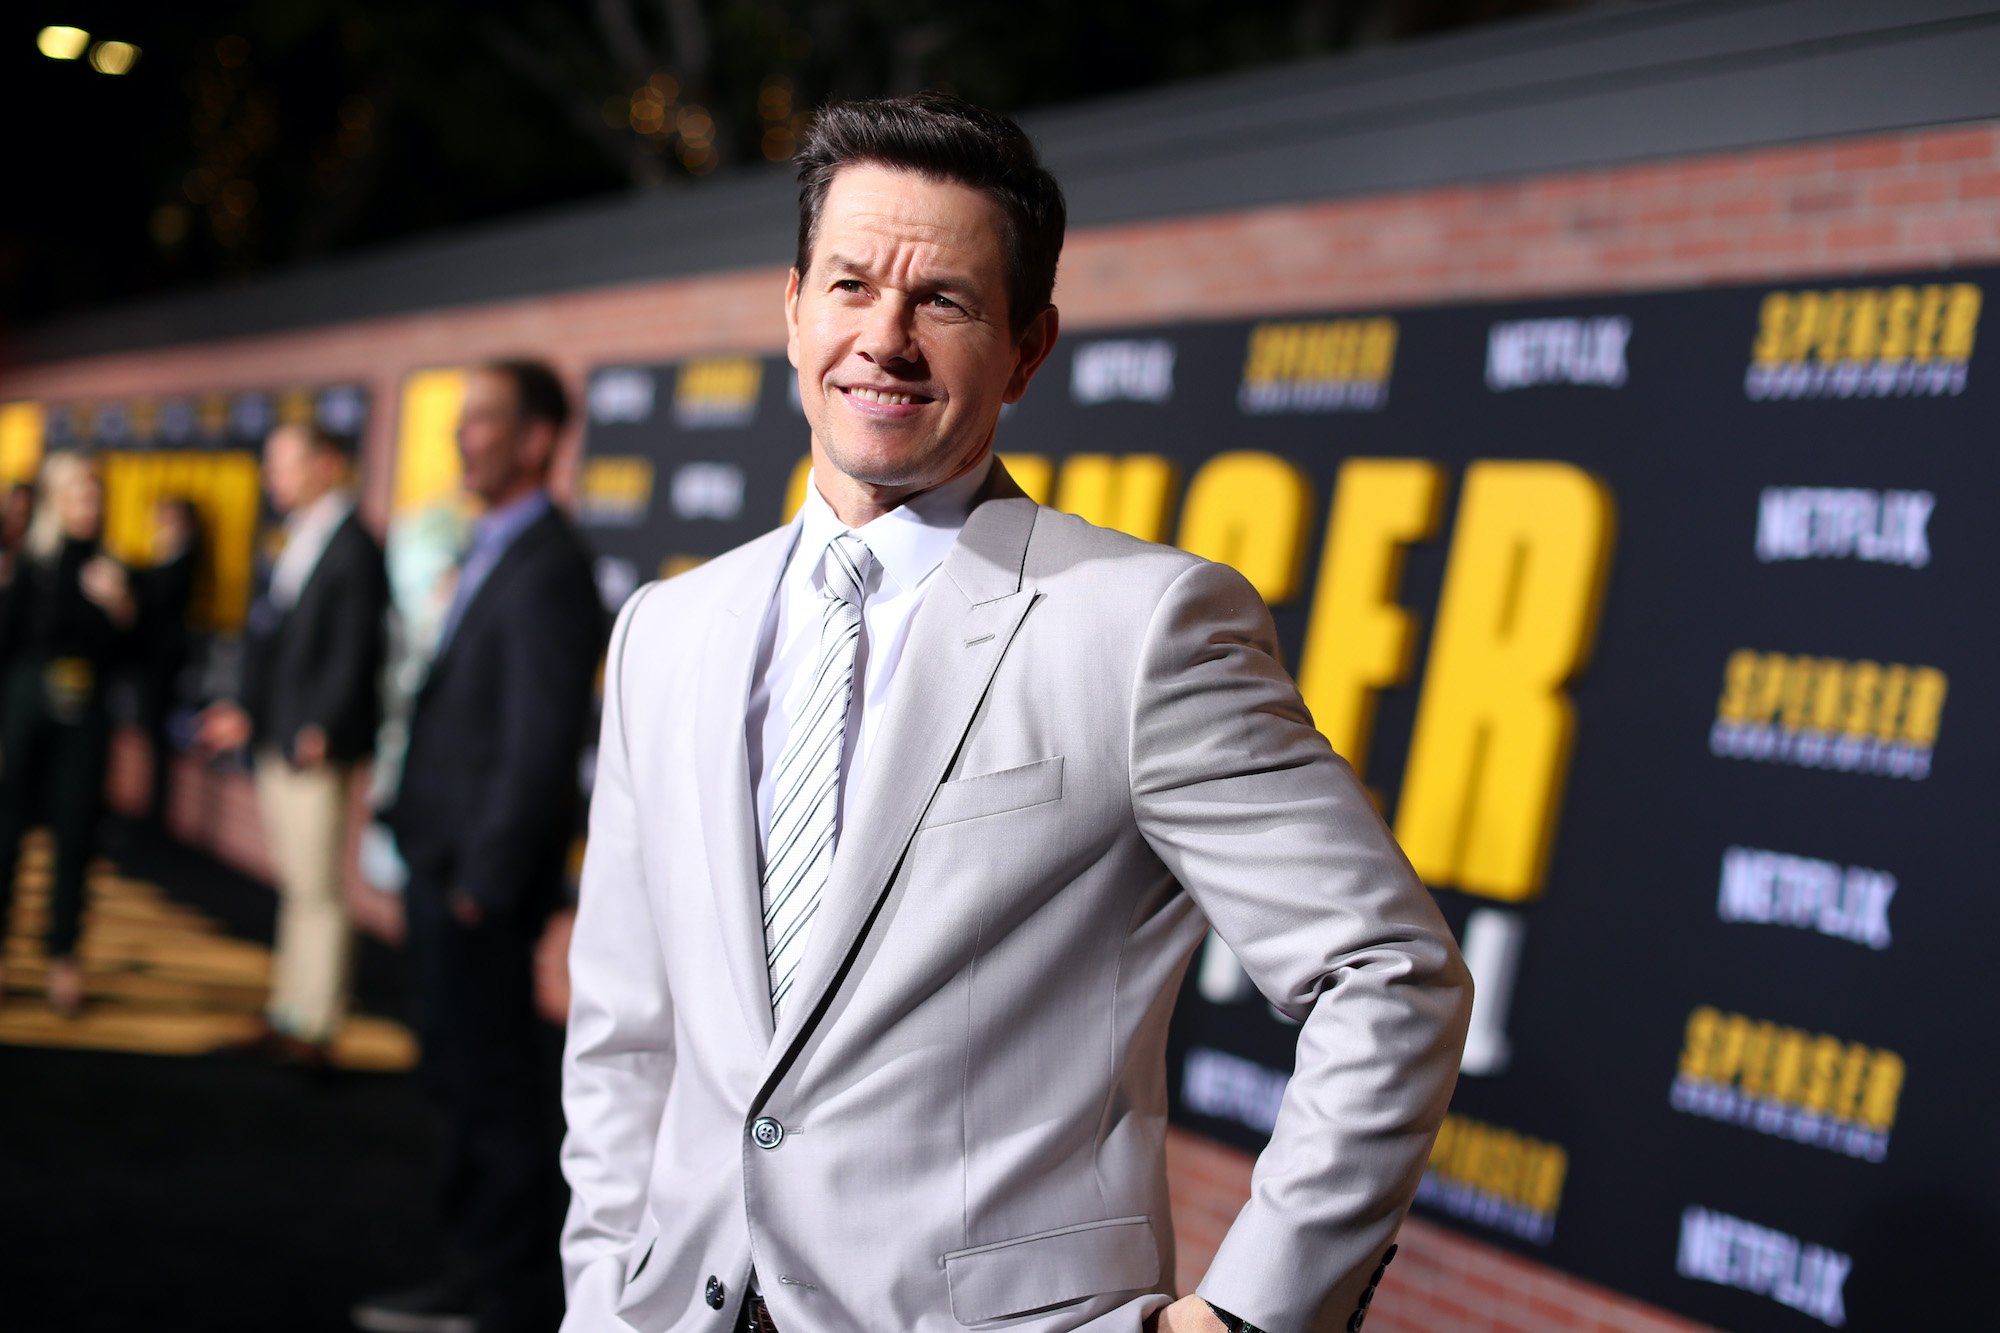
1354,1324
766,1133
716,1293
1389,1257
1367,1297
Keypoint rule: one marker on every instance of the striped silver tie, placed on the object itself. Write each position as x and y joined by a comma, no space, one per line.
806,791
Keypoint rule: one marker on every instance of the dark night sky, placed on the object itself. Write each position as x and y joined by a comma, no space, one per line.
259,134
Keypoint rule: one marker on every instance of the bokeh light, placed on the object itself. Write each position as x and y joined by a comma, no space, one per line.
113,57
59,43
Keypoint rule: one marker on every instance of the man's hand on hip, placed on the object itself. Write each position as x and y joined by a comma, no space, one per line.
309,747
222,727
1189,1314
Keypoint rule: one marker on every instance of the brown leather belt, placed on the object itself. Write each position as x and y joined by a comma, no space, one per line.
757,1317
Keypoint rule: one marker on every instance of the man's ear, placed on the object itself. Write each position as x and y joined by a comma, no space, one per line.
792,318
538,446
1033,348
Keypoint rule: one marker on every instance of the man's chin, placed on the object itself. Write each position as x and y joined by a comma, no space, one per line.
900,473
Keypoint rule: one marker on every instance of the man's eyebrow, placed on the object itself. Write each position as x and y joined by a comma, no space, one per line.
944,282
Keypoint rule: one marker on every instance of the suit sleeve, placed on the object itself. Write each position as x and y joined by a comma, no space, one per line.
619,1057
1277,842
549,659
348,674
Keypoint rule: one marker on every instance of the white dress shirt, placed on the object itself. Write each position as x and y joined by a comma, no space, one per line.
908,543
307,532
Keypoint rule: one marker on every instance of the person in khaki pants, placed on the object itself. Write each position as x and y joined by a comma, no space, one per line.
309,705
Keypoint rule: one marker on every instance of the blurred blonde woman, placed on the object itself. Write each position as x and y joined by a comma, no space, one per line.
66,620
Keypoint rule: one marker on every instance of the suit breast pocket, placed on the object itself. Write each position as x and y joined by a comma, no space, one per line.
996,793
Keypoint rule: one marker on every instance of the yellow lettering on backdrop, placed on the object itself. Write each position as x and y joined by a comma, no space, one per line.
427,469
1822,1073
1033,473
1925,703
1961,322
1129,492
1697,1050
1490,749
1899,316
1251,510
1864,325
795,489
223,485
1359,641
1930,316
1773,318
1807,314
1543,1189
1881,1091
21,431
1832,331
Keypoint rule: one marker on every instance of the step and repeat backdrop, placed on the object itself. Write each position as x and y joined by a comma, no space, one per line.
1655,625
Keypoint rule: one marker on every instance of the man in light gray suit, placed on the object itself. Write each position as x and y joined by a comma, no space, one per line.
908,818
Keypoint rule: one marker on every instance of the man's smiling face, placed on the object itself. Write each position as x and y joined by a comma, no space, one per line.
900,334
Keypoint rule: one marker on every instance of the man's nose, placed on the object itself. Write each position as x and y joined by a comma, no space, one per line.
888,334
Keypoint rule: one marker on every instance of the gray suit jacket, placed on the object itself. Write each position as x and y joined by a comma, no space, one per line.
1090,755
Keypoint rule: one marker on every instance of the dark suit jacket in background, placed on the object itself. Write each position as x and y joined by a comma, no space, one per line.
165,592
489,800
320,663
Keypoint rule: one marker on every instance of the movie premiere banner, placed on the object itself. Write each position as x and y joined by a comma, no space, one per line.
1655,624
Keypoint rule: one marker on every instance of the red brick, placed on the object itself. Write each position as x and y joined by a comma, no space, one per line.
1668,215
1744,205
1820,199
1967,145
1777,241
1778,163
1954,232
1596,219
1909,191
1979,185
1870,154
1702,247
1707,170
1860,236
1618,258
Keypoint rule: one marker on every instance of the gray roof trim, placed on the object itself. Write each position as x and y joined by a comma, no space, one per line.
1617,83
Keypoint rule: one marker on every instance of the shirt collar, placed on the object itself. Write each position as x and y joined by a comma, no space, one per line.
910,541
499,527
325,512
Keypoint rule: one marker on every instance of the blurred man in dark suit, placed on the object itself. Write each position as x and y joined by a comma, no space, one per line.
484,818
309,704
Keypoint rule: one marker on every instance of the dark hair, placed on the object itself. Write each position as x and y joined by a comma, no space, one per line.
187,509
948,139
323,441
537,388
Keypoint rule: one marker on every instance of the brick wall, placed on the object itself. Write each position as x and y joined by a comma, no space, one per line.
1910,200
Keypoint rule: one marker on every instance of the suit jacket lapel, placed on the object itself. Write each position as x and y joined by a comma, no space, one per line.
956,642
721,752
487,594
329,557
